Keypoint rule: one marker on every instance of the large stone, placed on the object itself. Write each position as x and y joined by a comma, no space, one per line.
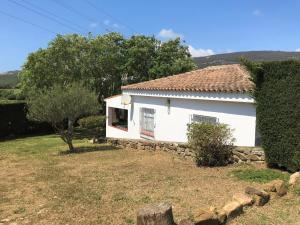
205,217
243,199
295,179
253,157
277,186
222,217
260,197
155,214
240,155
186,222
233,209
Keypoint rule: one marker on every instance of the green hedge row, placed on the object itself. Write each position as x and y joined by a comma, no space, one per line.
277,96
13,121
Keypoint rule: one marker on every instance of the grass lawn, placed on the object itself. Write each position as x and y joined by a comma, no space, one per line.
105,185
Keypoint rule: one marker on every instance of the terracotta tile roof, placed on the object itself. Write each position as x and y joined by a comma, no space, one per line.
225,78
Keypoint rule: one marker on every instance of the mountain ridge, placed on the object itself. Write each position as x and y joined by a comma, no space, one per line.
234,57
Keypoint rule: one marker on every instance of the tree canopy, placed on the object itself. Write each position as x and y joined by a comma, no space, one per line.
60,105
104,63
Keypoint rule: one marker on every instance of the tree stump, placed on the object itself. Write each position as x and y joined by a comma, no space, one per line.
155,214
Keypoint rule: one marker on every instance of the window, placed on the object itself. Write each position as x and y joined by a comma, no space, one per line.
203,119
147,123
118,118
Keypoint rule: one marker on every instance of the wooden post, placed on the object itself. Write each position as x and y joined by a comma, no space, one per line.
155,214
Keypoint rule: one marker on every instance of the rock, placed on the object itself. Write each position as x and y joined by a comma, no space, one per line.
233,209
253,158
186,222
155,214
240,155
222,217
243,199
260,197
277,186
206,217
294,179
5,220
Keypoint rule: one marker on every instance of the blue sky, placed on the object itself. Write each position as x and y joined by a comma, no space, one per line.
207,26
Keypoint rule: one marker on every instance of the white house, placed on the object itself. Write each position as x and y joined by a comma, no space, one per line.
161,109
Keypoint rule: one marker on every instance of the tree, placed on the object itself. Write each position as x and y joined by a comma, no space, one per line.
61,104
171,58
103,63
140,53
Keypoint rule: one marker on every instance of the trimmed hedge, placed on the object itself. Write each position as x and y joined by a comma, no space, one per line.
277,96
97,123
13,121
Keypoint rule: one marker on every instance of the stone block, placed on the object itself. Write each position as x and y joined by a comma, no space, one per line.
277,186
233,209
243,199
295,179
260,197
205,217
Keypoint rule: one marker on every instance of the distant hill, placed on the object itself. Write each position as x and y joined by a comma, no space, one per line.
231,58
9,79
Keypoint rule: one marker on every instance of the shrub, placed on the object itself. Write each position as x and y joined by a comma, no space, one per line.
92,122
277,95
212,143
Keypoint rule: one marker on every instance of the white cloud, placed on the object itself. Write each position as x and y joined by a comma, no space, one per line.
297,50
257,12
200,52
111,24
169,34
93,25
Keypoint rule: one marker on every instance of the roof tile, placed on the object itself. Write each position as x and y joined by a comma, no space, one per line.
225,78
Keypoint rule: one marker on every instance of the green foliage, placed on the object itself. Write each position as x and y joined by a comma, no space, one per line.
11,94
260,175
96,123
60,104
277,96
103,63
92,121
212,143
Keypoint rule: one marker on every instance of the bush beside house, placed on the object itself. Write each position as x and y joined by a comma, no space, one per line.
277,96
96,123
212,143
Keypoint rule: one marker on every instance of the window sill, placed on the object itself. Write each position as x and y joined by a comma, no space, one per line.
147,133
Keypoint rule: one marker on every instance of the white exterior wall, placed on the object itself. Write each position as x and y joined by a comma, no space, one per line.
240,115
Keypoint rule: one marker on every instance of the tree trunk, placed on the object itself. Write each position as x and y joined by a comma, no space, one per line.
70,135
71,147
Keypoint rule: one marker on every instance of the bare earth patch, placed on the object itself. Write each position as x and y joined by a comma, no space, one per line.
41,186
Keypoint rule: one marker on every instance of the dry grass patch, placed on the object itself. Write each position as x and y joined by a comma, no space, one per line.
102,185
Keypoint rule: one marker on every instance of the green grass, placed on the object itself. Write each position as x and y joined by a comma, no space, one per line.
259,175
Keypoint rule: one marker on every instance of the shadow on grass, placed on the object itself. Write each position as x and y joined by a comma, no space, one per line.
86,149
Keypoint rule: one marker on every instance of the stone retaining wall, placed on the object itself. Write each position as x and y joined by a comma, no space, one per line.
240,154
